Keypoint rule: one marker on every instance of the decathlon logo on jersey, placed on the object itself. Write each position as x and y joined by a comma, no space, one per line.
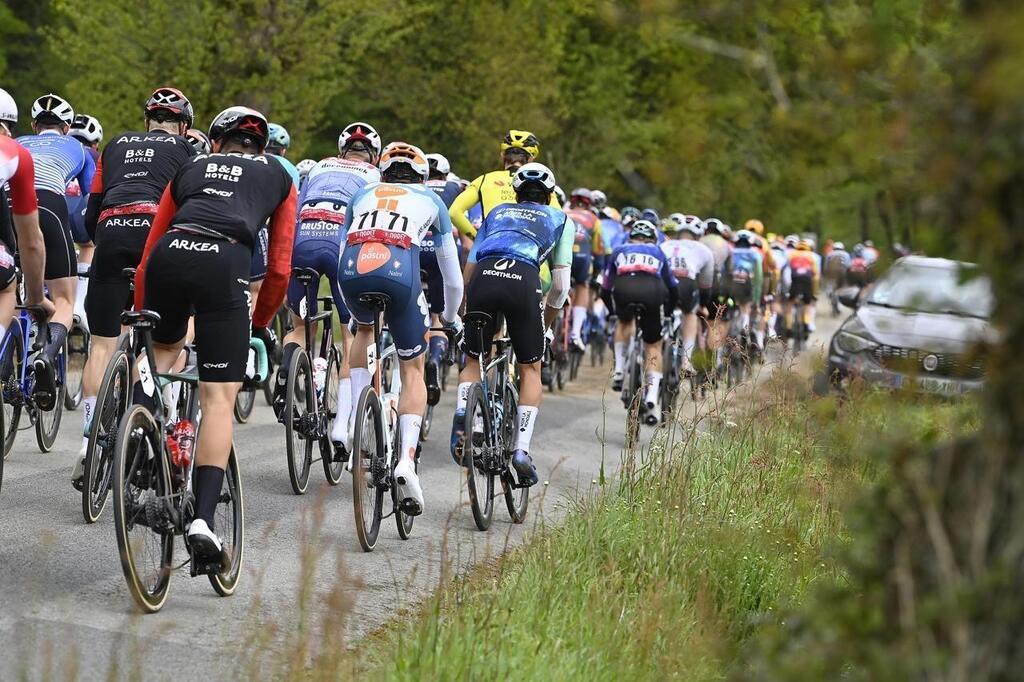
189,245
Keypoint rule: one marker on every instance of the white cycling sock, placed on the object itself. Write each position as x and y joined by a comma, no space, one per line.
463,396
409,427
772,321
339,430
653,386
88,407
620,357
526,417
360,379
745,322
688,347
80,292
579,314
759,335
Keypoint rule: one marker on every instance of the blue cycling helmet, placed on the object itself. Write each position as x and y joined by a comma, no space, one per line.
279,137
651,215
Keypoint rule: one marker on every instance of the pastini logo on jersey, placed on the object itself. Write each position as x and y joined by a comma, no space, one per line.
190,245
371,256
389,191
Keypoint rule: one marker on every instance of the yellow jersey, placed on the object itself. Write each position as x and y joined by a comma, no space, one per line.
489,190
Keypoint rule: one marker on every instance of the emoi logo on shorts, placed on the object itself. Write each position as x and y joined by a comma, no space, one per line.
371,256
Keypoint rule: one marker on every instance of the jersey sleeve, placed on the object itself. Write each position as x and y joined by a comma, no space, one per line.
88,170
561,256
667,275
469,197
443,221
609,273
23,185
279,260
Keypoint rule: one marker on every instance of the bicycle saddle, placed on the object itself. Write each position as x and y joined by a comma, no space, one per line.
305,275
139,318
477,318
374,300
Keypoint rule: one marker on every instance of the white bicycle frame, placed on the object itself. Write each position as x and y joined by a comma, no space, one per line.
388,400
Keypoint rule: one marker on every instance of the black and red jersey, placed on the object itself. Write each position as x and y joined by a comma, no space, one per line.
232,196
136,167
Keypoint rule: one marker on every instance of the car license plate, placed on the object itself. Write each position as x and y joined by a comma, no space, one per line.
940,386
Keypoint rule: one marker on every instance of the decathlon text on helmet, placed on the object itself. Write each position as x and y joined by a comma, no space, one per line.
240,122
170,100
360,131
52,108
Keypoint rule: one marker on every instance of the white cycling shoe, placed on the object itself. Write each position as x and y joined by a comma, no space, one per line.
410,495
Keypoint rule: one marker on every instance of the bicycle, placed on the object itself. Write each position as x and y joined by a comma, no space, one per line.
19,381
799,327
633,382
672,364
78,342
491,409
311,393
153,498
556,355
281,324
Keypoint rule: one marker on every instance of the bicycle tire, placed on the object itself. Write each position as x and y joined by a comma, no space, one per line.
230,509
367,460
428,421
299,447
14,355
479,436
47,424
138,458
403,521
111,404
77,355
333,467
245,401
517,500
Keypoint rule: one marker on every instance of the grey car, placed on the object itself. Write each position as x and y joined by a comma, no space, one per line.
922,326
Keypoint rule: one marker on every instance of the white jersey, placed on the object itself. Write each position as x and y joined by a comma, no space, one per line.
396,214
337,180
690,259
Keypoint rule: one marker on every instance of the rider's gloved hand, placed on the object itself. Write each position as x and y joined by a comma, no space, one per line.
267,336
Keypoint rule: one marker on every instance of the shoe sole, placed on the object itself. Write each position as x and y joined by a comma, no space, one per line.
206,556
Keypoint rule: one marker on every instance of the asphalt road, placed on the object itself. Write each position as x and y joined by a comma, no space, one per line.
65,611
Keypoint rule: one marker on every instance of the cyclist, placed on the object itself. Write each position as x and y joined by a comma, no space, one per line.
199,141
587,251
504,266
637,272
716,238
58,159
196,261
857,274
611,228
328,189
693,264
804,276
278,146
384,224
133,171
746,277
87,130
17,185
835,266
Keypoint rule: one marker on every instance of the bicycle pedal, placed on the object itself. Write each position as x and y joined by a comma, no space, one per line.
410,507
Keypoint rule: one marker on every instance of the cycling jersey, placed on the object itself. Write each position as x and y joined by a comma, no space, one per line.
525,232
836,263
58,160
720,247
612,232
446,189
646,260
639,274
588,238
134,169
337,180
17,169
293,172
689,259
488,190
746,274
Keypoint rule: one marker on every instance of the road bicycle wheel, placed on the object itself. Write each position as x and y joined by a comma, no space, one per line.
48,423
12,358
402,520
229,521
333,464
77,354
111,402
476,458
297,414
799,330
368,468
516,499
245,401
428,421
145,537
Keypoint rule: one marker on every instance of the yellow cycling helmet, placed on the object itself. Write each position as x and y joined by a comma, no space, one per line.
804,245
521,139
755,226
771,237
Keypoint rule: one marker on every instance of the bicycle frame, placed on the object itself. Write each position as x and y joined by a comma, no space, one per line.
494,399
26,381
376,355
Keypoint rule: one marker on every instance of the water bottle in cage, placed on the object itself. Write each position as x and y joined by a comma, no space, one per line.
319,374
180,444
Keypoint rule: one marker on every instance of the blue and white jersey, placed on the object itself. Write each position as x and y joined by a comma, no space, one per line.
395,214
59,159
290,167
525,232
337,180
446,189
639,259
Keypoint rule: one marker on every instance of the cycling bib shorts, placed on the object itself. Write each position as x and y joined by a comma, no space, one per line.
55,223
646,291
504,287
120,240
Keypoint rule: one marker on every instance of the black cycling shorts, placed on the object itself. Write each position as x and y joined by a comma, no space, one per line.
120,240
508,288
61,260
646,291
581,265
688,296
801,288
741,292
187,273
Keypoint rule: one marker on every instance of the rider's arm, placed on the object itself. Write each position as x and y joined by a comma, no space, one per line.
95,202
164,213
758,278
462,203
279,261
86,172
25,209
448,261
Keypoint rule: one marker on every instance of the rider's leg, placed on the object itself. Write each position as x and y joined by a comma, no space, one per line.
580,308
85,254
653,374
623,333
411,404
360,375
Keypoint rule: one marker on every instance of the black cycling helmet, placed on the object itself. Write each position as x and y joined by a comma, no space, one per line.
199,141
240,122
643,229
171,100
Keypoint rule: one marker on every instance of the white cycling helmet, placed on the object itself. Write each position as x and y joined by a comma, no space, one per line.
403,153
439,164
360,131
8,109
87,128
304,167
53,106
534,173
839,246
692,224
600,199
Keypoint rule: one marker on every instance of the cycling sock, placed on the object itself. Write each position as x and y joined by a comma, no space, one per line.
745,322
360,379
80,293
58,333
88,407
438,346
526,417
579,314
208,482
688,347
772,321
759,335
409,427
653,385
620,357
463,396
339,431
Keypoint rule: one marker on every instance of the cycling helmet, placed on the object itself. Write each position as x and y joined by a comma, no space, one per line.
669,225
643,229
629,214
241,121
745,237
791,241
713,226
86,128
858,250
726,231
693,225
581,195
54,108
439,164
534,173
839,246
279,136
651,215
804,245
754,225
560,195
404,154
521,139
360,131
678,217
199,141
600,199
8,109
304,167
170,99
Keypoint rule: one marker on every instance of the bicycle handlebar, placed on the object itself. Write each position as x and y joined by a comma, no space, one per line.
262,363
